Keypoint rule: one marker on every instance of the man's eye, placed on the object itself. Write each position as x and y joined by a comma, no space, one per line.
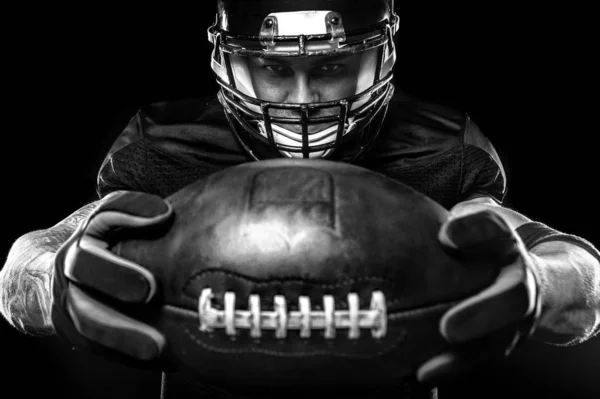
279,69
330,68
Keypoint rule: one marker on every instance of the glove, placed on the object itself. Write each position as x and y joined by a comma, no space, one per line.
98,295
492,323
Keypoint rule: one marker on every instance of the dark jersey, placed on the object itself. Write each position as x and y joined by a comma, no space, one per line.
435,150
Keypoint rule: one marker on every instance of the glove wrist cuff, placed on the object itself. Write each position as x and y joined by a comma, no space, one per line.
535,233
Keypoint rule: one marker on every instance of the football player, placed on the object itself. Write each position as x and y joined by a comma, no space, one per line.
313,79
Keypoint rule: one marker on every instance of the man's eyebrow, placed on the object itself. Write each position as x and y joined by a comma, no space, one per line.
338,58
264,61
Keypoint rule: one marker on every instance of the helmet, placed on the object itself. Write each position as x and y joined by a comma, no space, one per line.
342,128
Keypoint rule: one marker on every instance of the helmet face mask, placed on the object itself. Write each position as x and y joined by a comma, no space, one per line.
268,123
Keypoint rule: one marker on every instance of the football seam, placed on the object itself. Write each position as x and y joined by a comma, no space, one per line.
313,352
285,279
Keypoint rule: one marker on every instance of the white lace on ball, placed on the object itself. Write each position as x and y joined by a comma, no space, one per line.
305,319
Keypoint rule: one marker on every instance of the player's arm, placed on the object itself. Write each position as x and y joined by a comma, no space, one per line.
26,278
569,279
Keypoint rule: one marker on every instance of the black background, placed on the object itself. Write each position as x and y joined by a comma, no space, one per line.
73,77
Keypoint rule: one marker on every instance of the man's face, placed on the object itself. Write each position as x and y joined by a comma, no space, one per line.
304,80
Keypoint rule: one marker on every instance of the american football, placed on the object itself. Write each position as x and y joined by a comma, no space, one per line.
294,271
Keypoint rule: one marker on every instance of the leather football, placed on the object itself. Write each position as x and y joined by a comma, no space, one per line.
303,272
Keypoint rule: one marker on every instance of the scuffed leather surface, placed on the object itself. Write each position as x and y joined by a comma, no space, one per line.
296,227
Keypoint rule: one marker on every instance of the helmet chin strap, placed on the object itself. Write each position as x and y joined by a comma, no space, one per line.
286,137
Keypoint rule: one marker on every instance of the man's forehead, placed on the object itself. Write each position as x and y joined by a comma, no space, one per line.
322,59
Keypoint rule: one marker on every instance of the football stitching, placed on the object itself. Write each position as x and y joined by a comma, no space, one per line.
280,319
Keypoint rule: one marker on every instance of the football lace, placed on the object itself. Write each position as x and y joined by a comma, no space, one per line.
305,319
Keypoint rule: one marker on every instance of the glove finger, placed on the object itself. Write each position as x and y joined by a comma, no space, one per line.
97,268
482,235
129,211
453,364
504,303
111,329
135,203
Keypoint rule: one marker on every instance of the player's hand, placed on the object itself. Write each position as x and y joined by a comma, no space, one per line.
97,294
489,325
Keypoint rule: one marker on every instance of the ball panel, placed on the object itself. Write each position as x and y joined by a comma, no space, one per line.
293,229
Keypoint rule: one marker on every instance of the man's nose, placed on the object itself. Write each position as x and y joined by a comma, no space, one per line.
302,91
